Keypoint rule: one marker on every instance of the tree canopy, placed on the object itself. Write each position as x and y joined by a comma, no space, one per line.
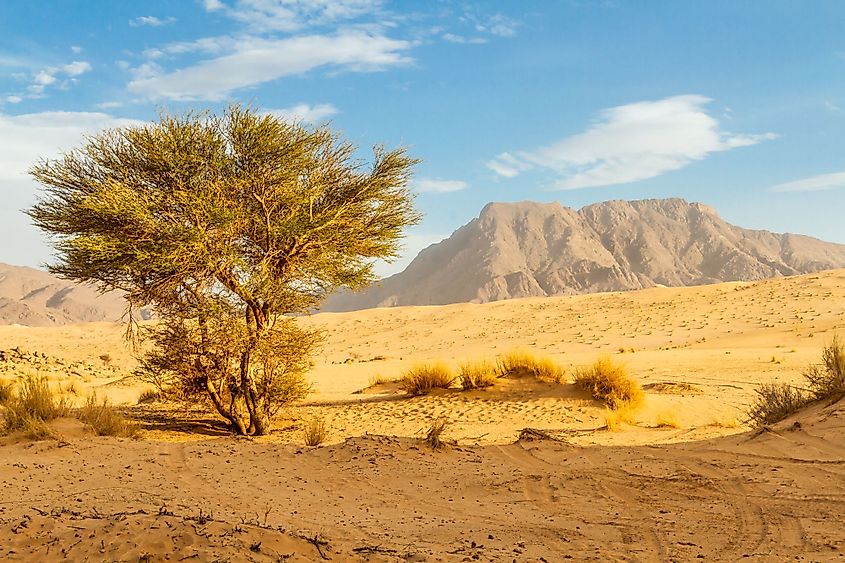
224,225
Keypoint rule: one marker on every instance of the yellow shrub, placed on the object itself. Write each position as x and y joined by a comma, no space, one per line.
609,382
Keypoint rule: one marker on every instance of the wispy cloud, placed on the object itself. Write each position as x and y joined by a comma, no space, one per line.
305,112
438,186
292,15
460,39
821,182
256,61
630,143
151,21
54,76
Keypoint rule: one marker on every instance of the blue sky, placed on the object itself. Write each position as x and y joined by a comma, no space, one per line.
740,105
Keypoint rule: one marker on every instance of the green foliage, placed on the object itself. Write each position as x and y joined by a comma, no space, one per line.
223,224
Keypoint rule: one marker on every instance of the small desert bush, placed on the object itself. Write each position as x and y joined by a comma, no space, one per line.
667,419
518,363
433,436
149,396
381,380
315,432
609,382
105,420
424,378
477,375
775,402
34,404
729,422
828,379
616,417
7,391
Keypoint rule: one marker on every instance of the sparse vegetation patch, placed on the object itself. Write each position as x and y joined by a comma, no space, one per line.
31,406
477,375
433,438
105,420
775,402
610,383
519,363
315,432
827,381
424,378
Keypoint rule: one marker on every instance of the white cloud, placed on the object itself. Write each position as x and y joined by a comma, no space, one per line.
460,39
498,25
438,186
151,21
24,139
255,61
76,49
813,183
213,5
291,15
630,143
76,68
305,112
109,105
44,77
14,99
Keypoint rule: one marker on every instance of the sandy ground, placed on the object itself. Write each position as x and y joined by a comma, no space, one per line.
707,487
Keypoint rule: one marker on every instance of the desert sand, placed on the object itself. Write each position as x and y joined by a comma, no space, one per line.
704,486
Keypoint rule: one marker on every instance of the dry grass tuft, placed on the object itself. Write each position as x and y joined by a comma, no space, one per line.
827,381
7,391
32,407
423,378
730,422
149,396
667,419
382,380
477,375
315,432
105,420
609,382
519,363
775,402
615,418
433,436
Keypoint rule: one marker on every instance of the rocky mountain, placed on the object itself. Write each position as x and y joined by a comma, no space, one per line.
36,298
538,249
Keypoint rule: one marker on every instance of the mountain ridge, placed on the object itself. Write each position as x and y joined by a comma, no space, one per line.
532,249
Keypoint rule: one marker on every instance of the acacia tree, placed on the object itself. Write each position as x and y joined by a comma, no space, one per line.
224,225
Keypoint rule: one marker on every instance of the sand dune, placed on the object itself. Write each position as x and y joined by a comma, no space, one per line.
706,486
767,496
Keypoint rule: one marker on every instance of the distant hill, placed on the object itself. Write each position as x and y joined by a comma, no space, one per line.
36,298
539,249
